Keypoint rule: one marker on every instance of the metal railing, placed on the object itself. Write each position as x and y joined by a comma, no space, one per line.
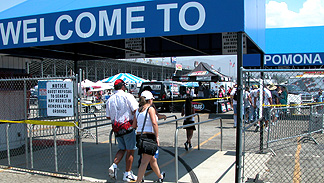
176,135
188,125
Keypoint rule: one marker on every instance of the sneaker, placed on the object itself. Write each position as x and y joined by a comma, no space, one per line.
186,145
129,177
113,171
190,146
163,176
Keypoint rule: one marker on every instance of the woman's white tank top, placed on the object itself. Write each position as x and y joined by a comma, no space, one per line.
140,121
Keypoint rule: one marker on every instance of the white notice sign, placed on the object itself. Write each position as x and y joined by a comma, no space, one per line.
229,43
59,98
137,44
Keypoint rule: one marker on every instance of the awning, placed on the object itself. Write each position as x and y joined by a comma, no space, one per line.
203,72
126,77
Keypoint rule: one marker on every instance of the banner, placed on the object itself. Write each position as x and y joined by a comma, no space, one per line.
178,67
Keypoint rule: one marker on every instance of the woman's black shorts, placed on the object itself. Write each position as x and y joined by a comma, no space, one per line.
190,127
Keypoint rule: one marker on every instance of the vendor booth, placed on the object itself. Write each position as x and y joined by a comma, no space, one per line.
205,73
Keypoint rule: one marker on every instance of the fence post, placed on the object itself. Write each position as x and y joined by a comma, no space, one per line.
239,107
26,126
176,155
8,144
55,149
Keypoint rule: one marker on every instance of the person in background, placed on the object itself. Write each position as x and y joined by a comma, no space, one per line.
254,107
206,91
201,90
229,91
192,92
275,100
320,100
212,92
247,104
233,99
120,108
150,132
283,97
221,92
267,103
188,110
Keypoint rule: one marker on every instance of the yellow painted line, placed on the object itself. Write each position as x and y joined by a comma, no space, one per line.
183,154
39,122
297,171
209,139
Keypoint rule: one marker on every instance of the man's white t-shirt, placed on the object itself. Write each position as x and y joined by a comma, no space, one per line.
120,106
232,94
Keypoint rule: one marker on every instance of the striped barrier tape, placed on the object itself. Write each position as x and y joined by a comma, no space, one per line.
285,105
194,100
39,122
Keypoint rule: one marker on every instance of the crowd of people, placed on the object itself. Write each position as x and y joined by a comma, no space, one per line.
273,96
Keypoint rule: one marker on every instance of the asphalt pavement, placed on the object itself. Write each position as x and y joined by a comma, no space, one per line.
211,162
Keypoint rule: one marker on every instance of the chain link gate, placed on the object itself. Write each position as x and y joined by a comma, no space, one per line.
289,145
32,140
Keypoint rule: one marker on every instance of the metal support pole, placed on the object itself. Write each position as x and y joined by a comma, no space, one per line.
55,150
110,148
31,146
221,123
176,155
77,110
239,108
198,133
8,144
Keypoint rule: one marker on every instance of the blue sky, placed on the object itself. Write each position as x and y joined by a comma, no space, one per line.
293,5
294,13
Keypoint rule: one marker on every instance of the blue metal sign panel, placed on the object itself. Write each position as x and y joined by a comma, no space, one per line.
296,59
288,59
140,19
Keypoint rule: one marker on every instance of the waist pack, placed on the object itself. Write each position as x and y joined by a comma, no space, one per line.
121,129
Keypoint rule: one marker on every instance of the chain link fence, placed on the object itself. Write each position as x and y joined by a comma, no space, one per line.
29,137
283,126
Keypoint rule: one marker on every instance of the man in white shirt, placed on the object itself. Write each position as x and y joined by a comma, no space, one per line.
267,102
120,108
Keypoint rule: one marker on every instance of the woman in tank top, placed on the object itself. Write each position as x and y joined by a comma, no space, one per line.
150,131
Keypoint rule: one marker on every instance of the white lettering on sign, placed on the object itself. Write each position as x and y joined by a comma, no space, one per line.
59,98
78,25
130,19
167,8
58,27
97,23
104,22
182,14
293,59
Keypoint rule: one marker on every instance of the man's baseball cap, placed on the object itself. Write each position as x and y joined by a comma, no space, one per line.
118,81
147,95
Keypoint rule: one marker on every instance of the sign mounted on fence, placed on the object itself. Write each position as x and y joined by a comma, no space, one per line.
59,98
